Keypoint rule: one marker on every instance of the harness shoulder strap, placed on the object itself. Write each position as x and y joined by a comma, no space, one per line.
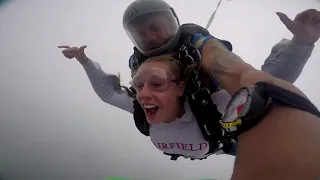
206,114
140,119
191,29
137,58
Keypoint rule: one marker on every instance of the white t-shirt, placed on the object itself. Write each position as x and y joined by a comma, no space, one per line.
183,136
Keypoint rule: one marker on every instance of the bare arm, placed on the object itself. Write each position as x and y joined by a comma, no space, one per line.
285,144
223,65
287,60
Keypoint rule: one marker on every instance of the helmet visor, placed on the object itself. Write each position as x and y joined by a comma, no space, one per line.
152,30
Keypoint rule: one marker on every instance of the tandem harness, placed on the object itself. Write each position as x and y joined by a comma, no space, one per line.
199,87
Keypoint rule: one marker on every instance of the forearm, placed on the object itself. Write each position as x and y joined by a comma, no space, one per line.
223,65
284,145
107,87
287,60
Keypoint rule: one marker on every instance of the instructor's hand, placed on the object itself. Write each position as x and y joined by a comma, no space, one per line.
305,27
75,52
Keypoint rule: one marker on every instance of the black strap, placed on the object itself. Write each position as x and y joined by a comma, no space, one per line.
191,29
286,97
138,58
140,118
174,157
206,113
230,147
207,116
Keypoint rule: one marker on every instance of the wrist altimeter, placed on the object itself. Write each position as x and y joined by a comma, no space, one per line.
250,104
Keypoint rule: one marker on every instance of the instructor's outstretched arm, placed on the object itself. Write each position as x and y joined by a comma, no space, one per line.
288,57
287,60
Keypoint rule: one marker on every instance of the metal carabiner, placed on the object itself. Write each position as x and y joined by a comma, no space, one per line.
191,59
183,49
197,53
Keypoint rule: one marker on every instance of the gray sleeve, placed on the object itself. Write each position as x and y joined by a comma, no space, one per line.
287,60
107,88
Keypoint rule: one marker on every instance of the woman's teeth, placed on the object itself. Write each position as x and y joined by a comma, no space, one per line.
149,106
151,109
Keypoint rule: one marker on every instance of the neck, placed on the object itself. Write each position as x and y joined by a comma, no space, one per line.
180,111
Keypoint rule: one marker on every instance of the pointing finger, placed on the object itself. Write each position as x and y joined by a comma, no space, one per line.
70,49
64,46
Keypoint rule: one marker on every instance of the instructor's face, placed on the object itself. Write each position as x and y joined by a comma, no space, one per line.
154,32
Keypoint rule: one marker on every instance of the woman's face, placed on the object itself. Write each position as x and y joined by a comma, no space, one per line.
158,91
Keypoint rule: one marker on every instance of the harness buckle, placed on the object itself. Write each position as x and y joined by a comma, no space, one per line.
201,90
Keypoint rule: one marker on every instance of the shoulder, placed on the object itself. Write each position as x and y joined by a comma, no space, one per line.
198,40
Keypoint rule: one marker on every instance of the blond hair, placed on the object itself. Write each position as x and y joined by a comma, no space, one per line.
177,67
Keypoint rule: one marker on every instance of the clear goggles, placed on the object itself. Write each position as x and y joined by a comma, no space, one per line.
157,79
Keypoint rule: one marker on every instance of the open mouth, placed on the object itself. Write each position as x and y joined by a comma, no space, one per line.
151,110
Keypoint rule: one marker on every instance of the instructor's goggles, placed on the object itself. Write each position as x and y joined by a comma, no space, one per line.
157,79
